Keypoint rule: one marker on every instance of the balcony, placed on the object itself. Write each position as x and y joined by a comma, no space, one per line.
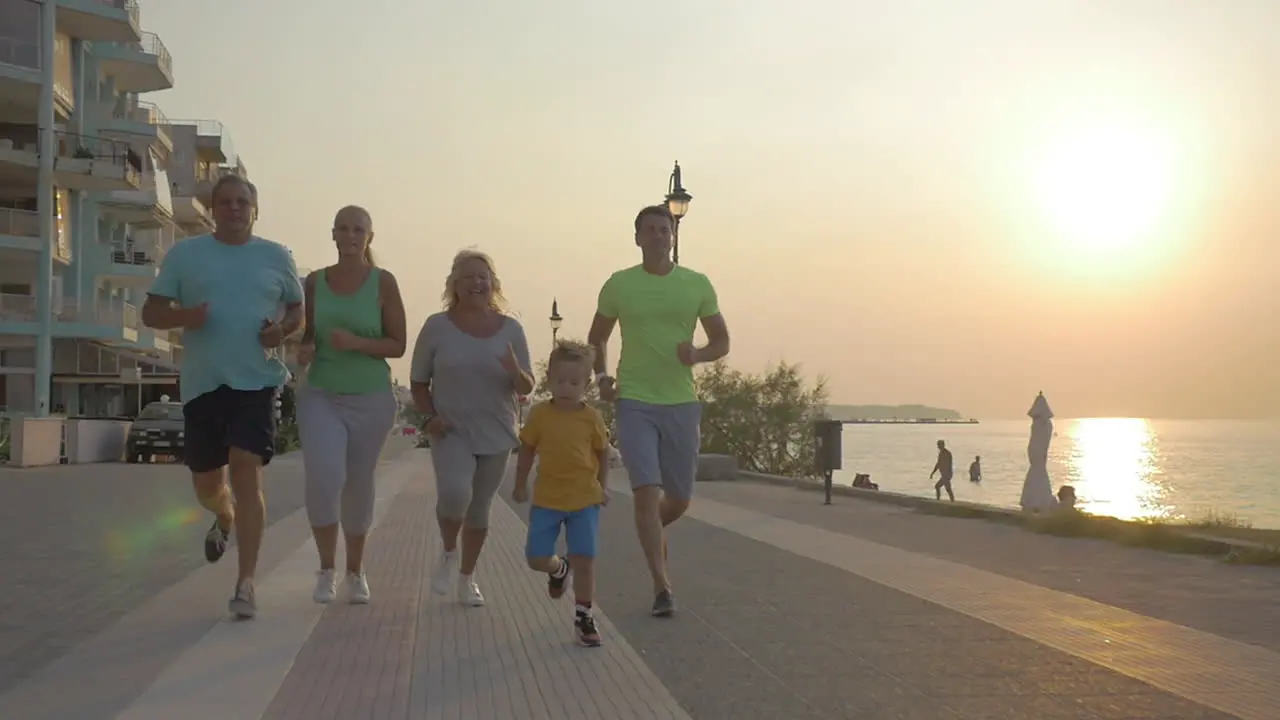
192,214
149,206
110,322
130,267
213,143
80,162
20,230
20,72
140,119
140,66
100,20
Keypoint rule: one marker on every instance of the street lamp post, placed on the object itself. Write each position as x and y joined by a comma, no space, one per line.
678,204
556,321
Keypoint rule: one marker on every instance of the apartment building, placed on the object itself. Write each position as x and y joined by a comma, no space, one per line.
126,183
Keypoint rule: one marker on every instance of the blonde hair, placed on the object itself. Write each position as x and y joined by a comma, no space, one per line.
572,352
368,251
497,301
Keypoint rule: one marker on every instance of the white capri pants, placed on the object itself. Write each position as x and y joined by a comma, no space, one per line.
342,438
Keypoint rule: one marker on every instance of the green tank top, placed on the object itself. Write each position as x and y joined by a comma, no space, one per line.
344,371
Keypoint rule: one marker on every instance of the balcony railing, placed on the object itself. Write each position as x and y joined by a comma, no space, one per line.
17,308
127,255
129,6
71,145
22,53
22,223
151,114
211,129
151,45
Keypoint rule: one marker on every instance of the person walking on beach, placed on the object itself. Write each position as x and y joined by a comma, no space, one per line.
975,469
225,291
355,321
569,439
469,364
944,470
657,304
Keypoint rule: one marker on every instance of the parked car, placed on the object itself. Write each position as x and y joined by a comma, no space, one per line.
156,431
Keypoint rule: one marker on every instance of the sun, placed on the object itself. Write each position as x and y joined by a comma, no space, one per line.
1106,189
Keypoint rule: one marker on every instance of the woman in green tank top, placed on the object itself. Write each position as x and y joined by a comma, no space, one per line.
355,321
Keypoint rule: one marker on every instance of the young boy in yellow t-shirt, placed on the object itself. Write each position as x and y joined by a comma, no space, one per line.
571,444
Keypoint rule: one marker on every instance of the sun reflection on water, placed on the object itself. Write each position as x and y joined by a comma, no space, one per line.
1114,464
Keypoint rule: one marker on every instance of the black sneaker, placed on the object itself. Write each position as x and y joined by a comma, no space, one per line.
588,634
555,585
664,605
215,543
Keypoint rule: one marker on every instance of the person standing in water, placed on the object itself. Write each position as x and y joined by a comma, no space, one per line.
944,469
355,322
975,469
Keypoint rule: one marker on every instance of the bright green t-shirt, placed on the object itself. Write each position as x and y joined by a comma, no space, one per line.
656,313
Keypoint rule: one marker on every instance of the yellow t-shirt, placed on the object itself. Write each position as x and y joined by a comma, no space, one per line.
569,443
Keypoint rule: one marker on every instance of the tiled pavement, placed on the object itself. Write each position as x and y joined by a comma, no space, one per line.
780,618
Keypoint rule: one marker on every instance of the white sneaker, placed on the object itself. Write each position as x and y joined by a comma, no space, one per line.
357,589
442,576
469,592
326,587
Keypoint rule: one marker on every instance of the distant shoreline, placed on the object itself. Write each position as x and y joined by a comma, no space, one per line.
896,415
908,421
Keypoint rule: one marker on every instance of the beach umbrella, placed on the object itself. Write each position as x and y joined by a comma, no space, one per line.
1037,490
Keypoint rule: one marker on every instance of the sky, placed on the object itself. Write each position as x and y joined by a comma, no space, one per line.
954,204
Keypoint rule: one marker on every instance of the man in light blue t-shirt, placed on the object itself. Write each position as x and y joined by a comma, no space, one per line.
225,291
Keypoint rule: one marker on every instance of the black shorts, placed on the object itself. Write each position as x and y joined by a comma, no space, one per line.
225,418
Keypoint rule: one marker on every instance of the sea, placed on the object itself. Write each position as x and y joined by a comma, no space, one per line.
1131,468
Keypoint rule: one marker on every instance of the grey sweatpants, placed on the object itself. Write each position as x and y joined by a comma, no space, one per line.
466,483
342,438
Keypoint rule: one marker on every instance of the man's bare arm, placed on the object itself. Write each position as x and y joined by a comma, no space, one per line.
598,337
717,339
292,322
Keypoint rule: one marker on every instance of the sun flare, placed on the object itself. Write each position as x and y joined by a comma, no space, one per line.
1106,189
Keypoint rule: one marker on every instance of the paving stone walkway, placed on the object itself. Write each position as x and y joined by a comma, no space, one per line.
780,617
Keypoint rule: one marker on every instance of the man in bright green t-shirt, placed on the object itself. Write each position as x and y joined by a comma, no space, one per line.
658,304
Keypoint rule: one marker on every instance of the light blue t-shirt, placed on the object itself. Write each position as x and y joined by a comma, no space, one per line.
243,285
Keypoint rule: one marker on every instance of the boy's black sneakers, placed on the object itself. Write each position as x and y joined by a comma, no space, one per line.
585,627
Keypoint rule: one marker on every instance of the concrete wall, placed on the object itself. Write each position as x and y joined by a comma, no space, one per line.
35,441
91,441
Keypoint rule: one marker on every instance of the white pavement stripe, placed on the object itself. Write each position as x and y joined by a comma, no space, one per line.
237,668
1230,676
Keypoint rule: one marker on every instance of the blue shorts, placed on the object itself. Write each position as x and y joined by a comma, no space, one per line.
580,530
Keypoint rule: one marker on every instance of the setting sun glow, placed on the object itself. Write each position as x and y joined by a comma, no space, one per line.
1105,190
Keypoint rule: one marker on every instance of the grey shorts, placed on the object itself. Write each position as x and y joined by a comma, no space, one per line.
659,445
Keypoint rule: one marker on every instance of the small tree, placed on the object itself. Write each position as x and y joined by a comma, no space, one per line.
765,421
